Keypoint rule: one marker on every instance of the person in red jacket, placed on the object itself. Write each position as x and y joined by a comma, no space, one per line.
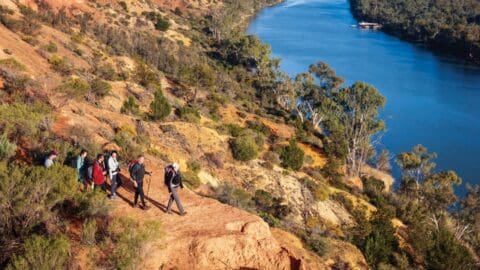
98,173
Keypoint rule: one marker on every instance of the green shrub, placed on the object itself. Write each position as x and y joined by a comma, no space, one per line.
160,108
189,114
344,200
274,206
144,75
107,72
373,187
50,47
332,171
90,205
77,37
130,106
128,144
100,88
61,65
380,244
30,40
42,253
194,166
21,119
162,24
269,218
25,186
318,245
7,149
74,87
292,156
259,127
191,179
12,63
233,196
129,238
244,147
89,232
15,82
178,12
233,130
446,252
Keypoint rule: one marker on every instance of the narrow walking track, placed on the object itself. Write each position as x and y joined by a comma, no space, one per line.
211,236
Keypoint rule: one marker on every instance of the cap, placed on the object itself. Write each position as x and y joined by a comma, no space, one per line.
176,166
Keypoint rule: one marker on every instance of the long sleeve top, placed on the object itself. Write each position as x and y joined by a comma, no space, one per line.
98,177
80,167
48,162
138,172
112,167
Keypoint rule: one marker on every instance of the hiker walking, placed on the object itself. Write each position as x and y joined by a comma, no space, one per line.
80,166
113,173
173,180
98,173
50,160
137,173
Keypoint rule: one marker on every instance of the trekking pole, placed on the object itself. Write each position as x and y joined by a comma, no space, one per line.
149,180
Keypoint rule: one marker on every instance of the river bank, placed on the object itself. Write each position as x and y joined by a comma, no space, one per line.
431,98
453,37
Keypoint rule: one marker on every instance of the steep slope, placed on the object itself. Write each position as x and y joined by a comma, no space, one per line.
212,235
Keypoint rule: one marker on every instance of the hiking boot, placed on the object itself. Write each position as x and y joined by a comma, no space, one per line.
145,207
134,205
183,214
169,212
113,197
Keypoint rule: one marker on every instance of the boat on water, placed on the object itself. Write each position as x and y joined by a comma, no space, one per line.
369,25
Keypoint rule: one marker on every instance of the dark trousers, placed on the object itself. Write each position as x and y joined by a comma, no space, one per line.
102,186
139,192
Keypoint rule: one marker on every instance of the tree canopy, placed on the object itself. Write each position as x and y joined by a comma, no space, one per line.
450,25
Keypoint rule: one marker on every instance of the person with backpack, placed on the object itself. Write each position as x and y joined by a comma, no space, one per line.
173,180
113,173
137,173
98,173
50,160
80,166
88,174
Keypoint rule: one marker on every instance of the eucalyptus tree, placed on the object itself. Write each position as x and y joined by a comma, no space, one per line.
358,107
314,91
416,166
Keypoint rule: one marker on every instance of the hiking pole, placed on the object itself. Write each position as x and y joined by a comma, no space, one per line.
149,180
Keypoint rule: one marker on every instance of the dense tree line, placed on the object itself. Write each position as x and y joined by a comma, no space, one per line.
444,24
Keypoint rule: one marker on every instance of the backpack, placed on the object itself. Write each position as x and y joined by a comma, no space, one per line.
105,163
73,162
89,172
169,175
131,165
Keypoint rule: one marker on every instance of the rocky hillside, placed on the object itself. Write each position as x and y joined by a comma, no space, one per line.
100,65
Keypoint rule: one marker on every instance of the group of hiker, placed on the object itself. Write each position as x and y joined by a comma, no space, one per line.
92,175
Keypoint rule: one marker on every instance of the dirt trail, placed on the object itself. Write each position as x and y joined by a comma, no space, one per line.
211,236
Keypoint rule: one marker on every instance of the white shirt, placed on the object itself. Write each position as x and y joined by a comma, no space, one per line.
112,167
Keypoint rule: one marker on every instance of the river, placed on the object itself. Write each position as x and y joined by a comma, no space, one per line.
432,99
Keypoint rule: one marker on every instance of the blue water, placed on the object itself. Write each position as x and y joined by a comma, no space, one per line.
431,99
